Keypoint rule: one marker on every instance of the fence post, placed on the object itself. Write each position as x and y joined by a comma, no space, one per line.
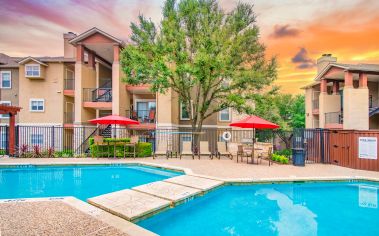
53,137
322,148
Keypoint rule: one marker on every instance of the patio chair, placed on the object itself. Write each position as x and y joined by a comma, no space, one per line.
99,142
133,143
222,151
266,156
204,149
186,150
161,150
243,152
151,117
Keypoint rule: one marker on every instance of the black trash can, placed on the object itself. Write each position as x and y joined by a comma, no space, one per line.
298,156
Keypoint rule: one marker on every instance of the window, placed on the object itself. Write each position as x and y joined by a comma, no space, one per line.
224,115
184,115
32,70
8,103
6,81
36,139
37,105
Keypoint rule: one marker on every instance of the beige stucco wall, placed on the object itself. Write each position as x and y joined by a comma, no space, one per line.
308,108
85,77
328,103
50,89
11,94
355,111
119,95
164,108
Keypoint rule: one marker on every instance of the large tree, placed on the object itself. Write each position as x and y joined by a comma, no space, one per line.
286,110
212,59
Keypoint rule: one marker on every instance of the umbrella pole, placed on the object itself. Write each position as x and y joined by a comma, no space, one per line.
253,151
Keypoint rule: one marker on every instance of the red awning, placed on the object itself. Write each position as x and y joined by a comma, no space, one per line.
114,120
254,122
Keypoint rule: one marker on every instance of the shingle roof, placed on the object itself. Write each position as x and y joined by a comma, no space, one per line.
47,59
7,61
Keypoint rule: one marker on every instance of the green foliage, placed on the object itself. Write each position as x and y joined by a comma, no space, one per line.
284,152
2,152
280,158
211,58
142,149
286,110
65,153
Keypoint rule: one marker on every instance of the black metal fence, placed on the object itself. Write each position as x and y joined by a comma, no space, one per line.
315,142
73,141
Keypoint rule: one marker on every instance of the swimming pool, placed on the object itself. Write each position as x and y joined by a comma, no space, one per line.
81,181
345,208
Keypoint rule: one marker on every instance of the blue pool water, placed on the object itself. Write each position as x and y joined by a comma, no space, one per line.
78,180
348,208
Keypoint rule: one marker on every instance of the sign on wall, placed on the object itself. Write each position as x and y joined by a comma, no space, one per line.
367,148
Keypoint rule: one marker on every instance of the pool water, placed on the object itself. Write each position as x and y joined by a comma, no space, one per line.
347,208
80,181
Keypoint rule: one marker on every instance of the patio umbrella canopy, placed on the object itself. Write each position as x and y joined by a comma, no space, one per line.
114,120
254,122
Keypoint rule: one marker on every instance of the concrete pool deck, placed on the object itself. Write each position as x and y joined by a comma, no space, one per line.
201,176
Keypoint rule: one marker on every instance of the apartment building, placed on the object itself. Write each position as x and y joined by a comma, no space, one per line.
343,96
86,83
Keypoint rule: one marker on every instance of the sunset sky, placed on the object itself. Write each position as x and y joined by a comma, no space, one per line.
296,31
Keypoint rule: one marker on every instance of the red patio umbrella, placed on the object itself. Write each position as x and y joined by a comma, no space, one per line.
254,122
114,120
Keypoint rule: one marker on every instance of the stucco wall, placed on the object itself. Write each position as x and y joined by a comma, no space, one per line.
11,94
85,77
308,108
355,108
50,89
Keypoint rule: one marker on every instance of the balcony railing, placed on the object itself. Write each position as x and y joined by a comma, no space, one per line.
334,118
315,104
143,116
69,84
69,117
97,95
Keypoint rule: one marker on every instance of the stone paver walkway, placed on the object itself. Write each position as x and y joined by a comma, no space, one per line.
129,204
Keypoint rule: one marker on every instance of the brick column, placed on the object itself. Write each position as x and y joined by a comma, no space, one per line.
91,59
11,137
348,79
336,87
324,86
116,53
79,53
362,80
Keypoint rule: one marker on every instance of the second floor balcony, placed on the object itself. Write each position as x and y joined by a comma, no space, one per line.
69,87
143,116
98,98
334,120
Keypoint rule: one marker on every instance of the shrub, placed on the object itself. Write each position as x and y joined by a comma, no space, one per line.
284,152
142,149
65,153
2,152
279,158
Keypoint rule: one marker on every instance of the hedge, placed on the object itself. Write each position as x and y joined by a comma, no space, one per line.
142,149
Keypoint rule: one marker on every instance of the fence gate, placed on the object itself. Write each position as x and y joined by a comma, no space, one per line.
315,142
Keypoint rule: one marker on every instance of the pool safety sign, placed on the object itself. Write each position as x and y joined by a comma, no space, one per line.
368,148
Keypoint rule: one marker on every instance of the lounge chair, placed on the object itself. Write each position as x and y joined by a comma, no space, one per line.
161,150
243,152
187,150
204,149
222,150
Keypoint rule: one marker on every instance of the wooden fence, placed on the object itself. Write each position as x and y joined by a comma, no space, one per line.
338,147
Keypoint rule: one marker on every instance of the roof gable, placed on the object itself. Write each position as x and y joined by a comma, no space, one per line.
27,59
97,35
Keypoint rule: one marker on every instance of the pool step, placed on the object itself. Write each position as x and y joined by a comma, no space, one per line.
195,182
129,204
169,191
143,200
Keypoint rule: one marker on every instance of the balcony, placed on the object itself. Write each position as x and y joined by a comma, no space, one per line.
334,120
315,106
147,118
99,98
69,87
69,117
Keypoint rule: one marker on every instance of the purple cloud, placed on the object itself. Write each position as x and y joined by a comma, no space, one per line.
281,31
302,60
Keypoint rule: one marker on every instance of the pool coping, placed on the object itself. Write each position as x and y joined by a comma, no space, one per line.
134,229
